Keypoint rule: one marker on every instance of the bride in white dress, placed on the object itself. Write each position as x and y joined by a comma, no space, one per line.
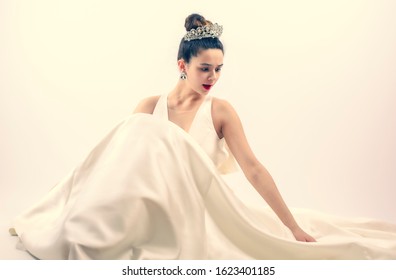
152,188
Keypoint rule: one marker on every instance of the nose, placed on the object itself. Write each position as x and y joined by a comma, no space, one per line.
213,76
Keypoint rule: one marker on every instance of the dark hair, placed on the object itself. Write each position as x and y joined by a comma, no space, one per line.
188,49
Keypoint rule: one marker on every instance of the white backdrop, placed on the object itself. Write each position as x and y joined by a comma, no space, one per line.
313,82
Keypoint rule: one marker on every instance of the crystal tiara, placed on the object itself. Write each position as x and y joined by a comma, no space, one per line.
207,31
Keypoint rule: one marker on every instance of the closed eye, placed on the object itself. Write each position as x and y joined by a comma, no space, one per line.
207,69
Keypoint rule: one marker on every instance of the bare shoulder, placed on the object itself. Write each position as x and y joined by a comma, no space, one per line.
222,109
147,105
223,114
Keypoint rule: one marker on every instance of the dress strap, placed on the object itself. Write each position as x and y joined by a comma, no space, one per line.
161,108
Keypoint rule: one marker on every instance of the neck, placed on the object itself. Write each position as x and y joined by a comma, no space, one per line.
182,93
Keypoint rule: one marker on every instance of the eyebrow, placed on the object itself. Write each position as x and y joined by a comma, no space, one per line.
207,64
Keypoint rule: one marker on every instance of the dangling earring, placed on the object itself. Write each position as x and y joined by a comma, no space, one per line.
183,75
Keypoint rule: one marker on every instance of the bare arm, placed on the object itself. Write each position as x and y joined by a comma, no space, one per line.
255,172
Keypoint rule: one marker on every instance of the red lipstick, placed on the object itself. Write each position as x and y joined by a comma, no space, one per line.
207,87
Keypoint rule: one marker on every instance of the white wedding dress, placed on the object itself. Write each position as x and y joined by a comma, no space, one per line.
150,190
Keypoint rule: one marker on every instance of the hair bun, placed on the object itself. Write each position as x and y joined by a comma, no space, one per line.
194,21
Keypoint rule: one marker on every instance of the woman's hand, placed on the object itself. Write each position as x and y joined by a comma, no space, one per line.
302,236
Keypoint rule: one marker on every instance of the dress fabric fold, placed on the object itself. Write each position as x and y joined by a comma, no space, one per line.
149,190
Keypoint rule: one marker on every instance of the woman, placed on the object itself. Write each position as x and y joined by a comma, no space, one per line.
200,62
152,189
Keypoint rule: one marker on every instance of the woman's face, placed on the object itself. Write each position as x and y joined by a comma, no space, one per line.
203,70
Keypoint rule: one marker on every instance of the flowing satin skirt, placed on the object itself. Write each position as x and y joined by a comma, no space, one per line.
148,191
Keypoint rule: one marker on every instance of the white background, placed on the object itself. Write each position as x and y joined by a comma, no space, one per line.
314,83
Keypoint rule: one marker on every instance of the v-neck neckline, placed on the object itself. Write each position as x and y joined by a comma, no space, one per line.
195,115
